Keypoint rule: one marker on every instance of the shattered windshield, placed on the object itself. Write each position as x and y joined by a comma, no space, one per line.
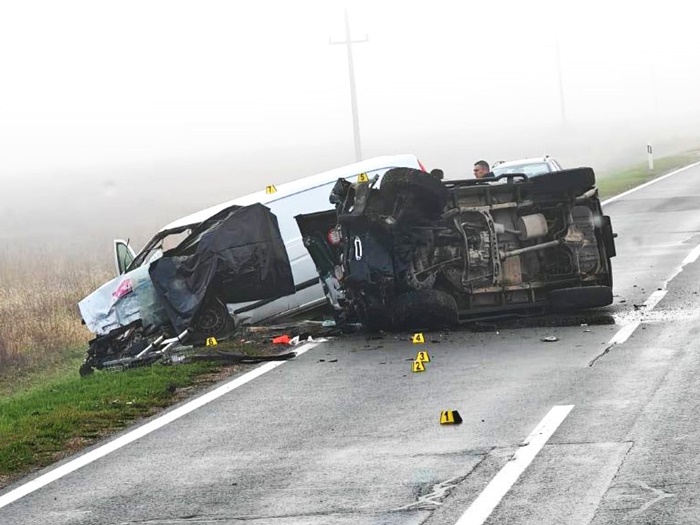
161,243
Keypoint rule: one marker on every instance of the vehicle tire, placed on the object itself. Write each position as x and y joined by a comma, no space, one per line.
86,370
568,182
580,298
212,320
425,309
428,192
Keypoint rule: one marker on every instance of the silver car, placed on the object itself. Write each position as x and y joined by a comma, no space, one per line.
531,167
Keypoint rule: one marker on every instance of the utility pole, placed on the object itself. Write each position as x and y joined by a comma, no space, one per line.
353,95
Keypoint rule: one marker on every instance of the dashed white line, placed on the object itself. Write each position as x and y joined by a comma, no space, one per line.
479,511
141,431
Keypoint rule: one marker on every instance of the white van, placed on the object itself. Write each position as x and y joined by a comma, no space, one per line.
111,308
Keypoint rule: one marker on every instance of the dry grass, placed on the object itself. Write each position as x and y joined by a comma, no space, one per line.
39,319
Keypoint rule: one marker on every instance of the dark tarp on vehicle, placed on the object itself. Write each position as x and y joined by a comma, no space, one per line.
240,259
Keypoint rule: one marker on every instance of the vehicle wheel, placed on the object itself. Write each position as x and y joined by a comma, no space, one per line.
580,298
86,370
570,182
426,191
425,309
212,320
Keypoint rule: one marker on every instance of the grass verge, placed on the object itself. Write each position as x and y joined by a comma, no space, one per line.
616,182
47,423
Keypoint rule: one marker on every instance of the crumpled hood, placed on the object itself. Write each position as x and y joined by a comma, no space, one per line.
115,303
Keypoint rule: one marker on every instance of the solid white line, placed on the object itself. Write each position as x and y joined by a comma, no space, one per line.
654,299
692,256
479,511
624,333
653,181
142,431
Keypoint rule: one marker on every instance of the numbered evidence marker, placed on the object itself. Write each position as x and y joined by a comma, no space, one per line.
423,357
418,339
450,417
211,341
418,366
270,189
362,177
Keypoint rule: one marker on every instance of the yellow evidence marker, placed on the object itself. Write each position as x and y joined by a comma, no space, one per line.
418,339
362,177
418,366
450,417
270,189
423,357
211,341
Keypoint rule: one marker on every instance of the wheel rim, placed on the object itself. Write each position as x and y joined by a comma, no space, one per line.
211,320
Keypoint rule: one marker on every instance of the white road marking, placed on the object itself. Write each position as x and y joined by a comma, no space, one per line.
692,256
626,331
654,299
654,181
142,431
482,507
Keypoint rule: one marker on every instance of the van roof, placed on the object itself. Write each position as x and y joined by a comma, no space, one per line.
290,188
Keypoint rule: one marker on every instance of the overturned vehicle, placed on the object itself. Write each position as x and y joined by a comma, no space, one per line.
420,252
165,297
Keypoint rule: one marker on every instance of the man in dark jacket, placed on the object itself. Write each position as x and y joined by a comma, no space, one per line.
482,169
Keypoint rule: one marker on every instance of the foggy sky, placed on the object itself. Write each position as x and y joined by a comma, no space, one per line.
104,104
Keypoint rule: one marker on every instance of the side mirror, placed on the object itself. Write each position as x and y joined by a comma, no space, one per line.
123,255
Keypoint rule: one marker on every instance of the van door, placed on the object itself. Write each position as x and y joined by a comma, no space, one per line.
123,255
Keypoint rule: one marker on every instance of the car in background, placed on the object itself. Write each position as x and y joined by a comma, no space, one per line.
531,167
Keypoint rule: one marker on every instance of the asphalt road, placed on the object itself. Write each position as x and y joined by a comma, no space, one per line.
347,434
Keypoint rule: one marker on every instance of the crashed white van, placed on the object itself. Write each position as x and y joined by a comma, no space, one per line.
146,300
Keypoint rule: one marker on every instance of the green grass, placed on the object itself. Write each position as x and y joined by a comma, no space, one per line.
61,366
44,423
616,182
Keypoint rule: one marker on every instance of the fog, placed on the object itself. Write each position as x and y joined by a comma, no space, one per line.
116,118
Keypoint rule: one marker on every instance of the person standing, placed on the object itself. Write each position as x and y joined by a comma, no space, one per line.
482,169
